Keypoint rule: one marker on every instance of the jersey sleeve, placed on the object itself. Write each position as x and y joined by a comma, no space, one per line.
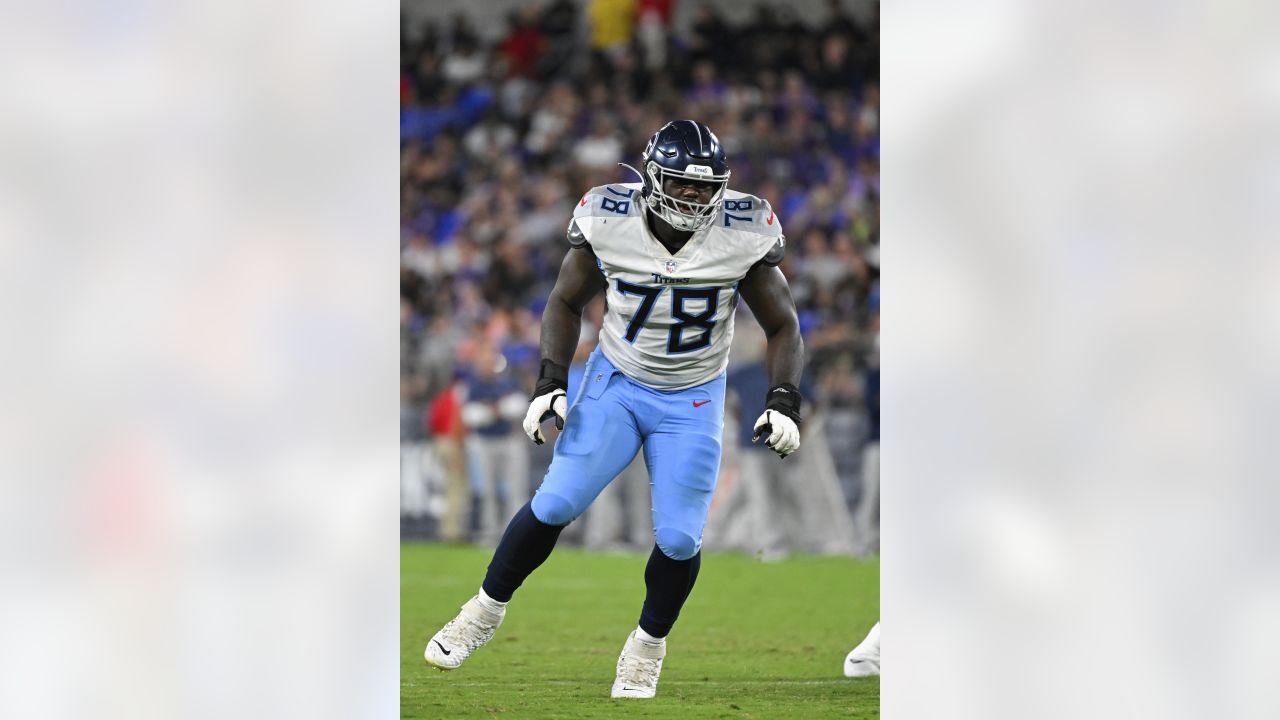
598,205
770,228
755,217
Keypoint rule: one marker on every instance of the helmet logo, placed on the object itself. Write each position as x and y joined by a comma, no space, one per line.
700,169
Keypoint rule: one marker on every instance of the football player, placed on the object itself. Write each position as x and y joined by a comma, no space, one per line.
673,253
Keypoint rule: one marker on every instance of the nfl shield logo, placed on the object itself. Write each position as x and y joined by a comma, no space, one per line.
671,266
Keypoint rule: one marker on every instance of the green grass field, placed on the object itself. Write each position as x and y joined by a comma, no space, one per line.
755,640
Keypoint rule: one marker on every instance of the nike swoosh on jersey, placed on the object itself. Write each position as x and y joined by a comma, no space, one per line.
700,403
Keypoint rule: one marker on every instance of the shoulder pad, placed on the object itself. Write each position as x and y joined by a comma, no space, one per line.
575,235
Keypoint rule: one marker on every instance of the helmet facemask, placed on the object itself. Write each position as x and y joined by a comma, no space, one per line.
684,215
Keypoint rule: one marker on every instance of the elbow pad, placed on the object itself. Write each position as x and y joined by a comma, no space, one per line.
774,256
575,236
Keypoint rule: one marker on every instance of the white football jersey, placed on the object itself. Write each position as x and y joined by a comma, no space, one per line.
669,318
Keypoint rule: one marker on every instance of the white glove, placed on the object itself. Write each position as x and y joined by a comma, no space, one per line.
550,404
783,435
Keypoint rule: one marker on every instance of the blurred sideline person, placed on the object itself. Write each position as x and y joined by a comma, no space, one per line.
867,513
612,25
674,253
496,453
444,419
654,21
864,660
774,509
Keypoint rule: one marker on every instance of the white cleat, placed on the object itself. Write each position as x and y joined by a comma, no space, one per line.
861,666
638,668
461,636
864,660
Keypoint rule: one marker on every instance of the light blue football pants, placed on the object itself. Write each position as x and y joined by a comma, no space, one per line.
612,416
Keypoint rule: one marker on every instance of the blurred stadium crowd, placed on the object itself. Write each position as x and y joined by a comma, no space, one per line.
502,133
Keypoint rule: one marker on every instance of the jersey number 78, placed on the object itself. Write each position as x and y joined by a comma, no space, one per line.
676,342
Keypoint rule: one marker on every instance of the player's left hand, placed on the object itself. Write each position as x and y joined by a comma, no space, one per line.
780,423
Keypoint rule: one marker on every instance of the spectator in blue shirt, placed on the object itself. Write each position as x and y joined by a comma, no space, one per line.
496,456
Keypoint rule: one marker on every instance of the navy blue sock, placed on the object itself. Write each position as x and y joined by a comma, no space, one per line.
667,585
526,544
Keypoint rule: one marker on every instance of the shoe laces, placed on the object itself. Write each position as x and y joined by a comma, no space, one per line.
634,669
469,630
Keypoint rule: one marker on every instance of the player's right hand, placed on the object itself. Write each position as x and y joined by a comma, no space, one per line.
549,404
548,400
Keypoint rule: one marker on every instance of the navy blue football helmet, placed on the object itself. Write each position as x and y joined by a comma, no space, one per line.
684,149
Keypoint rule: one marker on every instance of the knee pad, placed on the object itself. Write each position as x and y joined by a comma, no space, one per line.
552,509
676,544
